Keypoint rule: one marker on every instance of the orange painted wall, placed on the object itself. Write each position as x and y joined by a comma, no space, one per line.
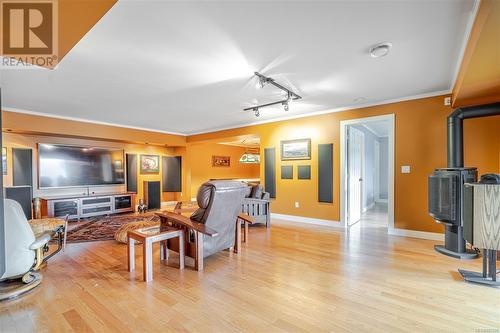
11,140
420,143
202,169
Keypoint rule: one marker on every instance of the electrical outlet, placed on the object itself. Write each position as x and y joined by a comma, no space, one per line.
447,101
405,169
297,205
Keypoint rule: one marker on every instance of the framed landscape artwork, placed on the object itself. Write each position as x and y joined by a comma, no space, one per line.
150,164
296,149
221,161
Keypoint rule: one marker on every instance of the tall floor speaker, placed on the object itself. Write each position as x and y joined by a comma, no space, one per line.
152,194
22,179
21,194
22,167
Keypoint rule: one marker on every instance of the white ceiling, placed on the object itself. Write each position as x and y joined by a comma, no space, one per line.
186,67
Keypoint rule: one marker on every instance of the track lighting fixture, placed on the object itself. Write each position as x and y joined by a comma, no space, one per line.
289,96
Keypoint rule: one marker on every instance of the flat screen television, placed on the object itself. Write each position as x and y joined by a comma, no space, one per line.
74,166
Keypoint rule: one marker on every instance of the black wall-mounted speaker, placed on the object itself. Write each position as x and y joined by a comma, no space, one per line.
270,171
304,172
287,172
171,174
131,173
325,172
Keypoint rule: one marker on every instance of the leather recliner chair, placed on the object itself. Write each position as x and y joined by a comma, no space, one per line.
23,252
212,227
219,203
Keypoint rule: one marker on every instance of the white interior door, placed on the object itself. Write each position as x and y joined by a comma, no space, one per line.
355,140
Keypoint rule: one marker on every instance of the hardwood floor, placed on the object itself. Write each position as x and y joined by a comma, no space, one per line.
292,278
375,217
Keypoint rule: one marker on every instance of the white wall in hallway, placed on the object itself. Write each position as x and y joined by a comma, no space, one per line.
370,170
384,167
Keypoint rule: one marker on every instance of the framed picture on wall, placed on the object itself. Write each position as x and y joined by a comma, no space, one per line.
4,160
150,164
296,149
221,161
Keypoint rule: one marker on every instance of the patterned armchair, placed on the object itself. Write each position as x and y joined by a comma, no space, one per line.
257,204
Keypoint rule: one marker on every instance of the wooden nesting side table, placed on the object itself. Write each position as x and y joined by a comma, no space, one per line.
148,236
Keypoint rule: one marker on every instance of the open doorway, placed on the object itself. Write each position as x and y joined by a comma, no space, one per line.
367,161
235,158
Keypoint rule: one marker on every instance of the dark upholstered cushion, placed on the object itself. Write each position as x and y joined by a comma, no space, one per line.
257,191
198,214
203,196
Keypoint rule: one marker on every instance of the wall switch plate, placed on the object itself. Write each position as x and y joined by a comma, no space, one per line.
447,101
405,169
297,205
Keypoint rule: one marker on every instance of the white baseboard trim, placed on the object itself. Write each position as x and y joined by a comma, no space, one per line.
416,234
308,220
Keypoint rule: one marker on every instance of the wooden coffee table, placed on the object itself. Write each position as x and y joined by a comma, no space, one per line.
148,236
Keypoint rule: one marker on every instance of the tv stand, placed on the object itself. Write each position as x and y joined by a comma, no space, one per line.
78,207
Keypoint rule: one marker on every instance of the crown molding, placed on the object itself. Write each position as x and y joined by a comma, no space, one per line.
317,113
84,120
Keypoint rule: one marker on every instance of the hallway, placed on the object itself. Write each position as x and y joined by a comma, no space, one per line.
375,217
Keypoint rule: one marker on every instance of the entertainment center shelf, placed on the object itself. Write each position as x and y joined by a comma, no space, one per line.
87,205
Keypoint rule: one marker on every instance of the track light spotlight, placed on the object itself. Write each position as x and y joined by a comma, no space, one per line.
260,83
256,111
285,106
290,97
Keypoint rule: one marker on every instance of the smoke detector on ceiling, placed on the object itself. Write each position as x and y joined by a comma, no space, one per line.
380,50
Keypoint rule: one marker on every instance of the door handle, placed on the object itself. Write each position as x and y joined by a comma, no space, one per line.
360,179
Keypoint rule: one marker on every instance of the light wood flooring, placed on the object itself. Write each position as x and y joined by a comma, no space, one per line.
292,278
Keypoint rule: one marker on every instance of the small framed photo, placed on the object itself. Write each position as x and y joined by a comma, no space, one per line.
296,149
221,161
150,164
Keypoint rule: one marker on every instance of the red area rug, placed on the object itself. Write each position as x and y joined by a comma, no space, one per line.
104,227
